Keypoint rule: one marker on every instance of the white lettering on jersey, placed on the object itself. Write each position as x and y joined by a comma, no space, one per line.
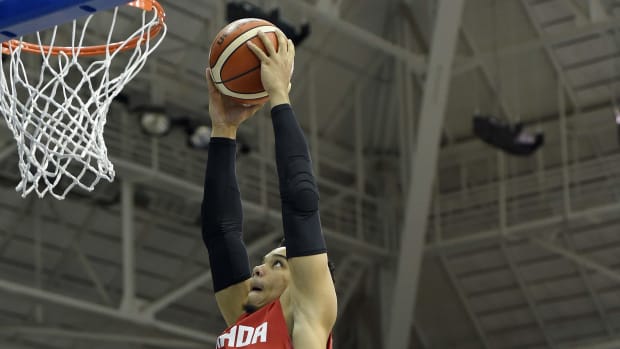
230,337
260,334
242,336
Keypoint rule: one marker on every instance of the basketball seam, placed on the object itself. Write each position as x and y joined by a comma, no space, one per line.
238,76
226,53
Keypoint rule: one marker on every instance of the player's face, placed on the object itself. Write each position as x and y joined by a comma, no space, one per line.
270,279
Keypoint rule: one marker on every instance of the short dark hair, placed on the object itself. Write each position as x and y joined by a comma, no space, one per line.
330,264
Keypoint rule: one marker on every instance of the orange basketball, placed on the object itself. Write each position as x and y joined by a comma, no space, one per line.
235,69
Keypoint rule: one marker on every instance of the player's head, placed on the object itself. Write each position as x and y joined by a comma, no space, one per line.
269,280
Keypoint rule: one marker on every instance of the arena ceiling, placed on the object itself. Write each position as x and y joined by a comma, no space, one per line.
520,252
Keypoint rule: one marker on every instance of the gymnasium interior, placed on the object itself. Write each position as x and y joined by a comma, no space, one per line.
465,153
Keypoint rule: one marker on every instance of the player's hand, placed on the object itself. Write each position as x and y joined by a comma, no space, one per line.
226,115
276,66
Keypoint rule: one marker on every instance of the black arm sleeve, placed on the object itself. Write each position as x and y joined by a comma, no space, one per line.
222,217
298,190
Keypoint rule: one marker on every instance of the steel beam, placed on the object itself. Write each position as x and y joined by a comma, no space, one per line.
423,169
329,7
344,269
340,113
501,192
414,61
586,262
406,115
464,302
158,304
536,44
344,299
38,256
128,245
585,277
580,15
92,274
74,245
386,279
360,178
79,229
610,344
402,114
71,302
551,55
527,295
519,229
566,201
313,117
98,337
12,227
454,282
264,149
597,11
7,151
487,75
193,191
4,344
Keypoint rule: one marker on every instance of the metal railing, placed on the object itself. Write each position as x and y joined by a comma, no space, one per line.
170,155
592,180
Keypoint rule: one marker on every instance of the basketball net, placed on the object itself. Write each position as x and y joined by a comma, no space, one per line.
57,115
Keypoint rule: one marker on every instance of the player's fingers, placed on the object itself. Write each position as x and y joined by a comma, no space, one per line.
291,47
210,84
257,51
214,94
268,44
282,44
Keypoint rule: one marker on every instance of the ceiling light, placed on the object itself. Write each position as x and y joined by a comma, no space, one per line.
154,121
199,137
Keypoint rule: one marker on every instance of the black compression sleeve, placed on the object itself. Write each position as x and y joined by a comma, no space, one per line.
298,190
222,217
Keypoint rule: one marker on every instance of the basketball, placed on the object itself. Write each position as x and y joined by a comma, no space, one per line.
235,69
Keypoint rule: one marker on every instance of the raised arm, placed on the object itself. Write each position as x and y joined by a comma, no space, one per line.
221,208
312,288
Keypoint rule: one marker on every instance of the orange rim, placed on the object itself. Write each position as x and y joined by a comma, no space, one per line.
97,50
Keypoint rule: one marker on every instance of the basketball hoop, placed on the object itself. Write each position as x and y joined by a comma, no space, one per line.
58,114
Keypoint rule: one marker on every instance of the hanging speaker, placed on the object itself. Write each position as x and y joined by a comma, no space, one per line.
508,137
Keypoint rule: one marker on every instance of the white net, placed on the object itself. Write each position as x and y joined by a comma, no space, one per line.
57,114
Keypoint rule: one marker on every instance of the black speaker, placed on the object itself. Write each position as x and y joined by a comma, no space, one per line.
241,9
508,137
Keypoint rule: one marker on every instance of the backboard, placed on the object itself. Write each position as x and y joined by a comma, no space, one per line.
56,106
20,17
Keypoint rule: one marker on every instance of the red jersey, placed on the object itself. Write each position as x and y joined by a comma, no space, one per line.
263,329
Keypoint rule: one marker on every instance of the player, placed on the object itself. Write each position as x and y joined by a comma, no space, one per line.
289,300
